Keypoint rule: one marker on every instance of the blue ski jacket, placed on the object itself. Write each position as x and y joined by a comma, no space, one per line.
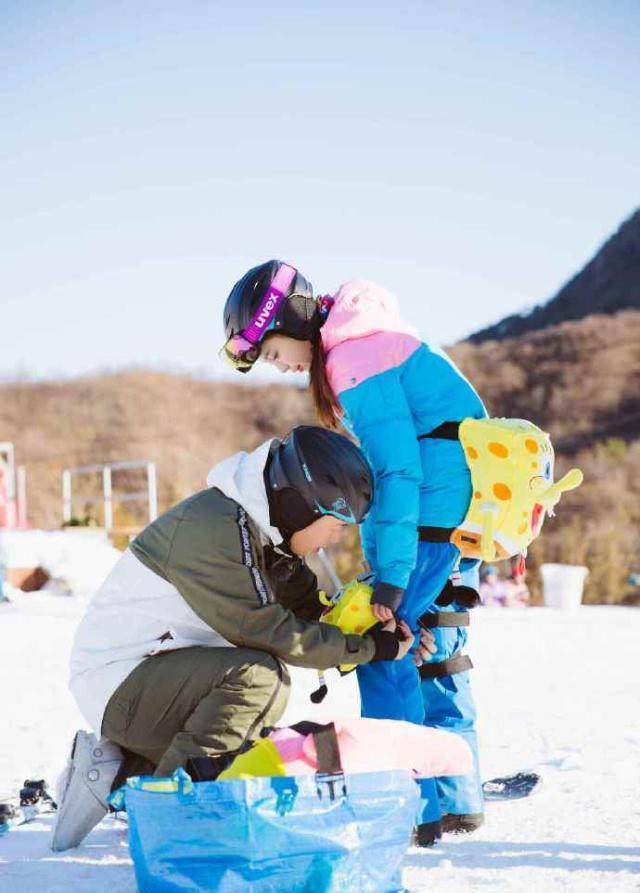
394,387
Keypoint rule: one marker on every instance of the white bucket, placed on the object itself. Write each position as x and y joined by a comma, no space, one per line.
563,585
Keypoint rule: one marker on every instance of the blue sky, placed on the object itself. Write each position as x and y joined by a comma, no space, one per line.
469,156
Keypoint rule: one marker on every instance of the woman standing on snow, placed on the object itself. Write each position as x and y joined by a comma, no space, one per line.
371,372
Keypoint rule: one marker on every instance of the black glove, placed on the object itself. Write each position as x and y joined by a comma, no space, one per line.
388,595
387,644
465,596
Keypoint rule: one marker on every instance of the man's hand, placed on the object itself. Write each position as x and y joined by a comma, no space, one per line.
393,641
404,635
426,648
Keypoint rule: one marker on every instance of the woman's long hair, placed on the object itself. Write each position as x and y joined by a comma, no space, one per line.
327,407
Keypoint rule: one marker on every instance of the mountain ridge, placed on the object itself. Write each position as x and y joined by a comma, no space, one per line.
607,284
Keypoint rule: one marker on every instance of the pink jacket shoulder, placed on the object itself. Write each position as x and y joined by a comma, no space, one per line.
352,362
364,334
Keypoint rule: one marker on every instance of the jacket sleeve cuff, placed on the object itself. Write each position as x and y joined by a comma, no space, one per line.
360,649
388,595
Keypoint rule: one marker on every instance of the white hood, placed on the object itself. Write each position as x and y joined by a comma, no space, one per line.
241,478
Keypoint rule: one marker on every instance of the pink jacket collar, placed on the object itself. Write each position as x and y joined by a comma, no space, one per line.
362,308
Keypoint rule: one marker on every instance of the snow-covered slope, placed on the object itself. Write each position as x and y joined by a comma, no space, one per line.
76,559
555,691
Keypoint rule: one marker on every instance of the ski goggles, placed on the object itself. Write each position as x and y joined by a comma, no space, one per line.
338,510
242,350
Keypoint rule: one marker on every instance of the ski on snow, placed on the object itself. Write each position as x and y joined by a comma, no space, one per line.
34,800
512,787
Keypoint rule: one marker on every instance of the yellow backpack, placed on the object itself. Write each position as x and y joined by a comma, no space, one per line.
511,463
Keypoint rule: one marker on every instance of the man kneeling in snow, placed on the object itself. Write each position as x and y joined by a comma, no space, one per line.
177,661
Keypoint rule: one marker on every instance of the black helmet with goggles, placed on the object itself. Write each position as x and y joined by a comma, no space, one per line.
273,297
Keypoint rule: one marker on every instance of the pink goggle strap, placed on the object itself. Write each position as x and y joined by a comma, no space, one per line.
275,294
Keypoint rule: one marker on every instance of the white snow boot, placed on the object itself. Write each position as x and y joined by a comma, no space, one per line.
84,788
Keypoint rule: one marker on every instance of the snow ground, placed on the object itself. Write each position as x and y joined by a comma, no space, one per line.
555,691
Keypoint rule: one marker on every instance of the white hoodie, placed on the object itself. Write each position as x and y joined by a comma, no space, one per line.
128,617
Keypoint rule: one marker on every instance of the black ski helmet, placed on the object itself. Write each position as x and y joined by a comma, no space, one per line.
296,315
315,472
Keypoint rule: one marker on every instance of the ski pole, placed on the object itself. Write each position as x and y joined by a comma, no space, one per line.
330,570
321,692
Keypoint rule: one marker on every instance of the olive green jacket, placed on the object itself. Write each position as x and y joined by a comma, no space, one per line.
214,554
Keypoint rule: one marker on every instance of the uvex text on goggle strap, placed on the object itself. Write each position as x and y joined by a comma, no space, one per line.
242,350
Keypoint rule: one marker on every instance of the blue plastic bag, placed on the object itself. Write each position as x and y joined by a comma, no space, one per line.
271,835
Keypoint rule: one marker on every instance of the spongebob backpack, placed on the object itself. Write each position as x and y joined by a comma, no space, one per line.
511,463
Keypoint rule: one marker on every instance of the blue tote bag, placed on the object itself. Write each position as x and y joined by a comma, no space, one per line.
306,834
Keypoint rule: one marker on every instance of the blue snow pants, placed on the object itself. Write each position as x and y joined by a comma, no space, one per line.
394,690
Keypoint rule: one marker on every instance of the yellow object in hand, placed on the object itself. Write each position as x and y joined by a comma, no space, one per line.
350,610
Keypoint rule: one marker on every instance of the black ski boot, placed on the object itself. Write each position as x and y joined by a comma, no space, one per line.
461,824
427,834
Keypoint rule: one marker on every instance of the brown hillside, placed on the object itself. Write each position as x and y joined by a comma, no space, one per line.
579,380
183,424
